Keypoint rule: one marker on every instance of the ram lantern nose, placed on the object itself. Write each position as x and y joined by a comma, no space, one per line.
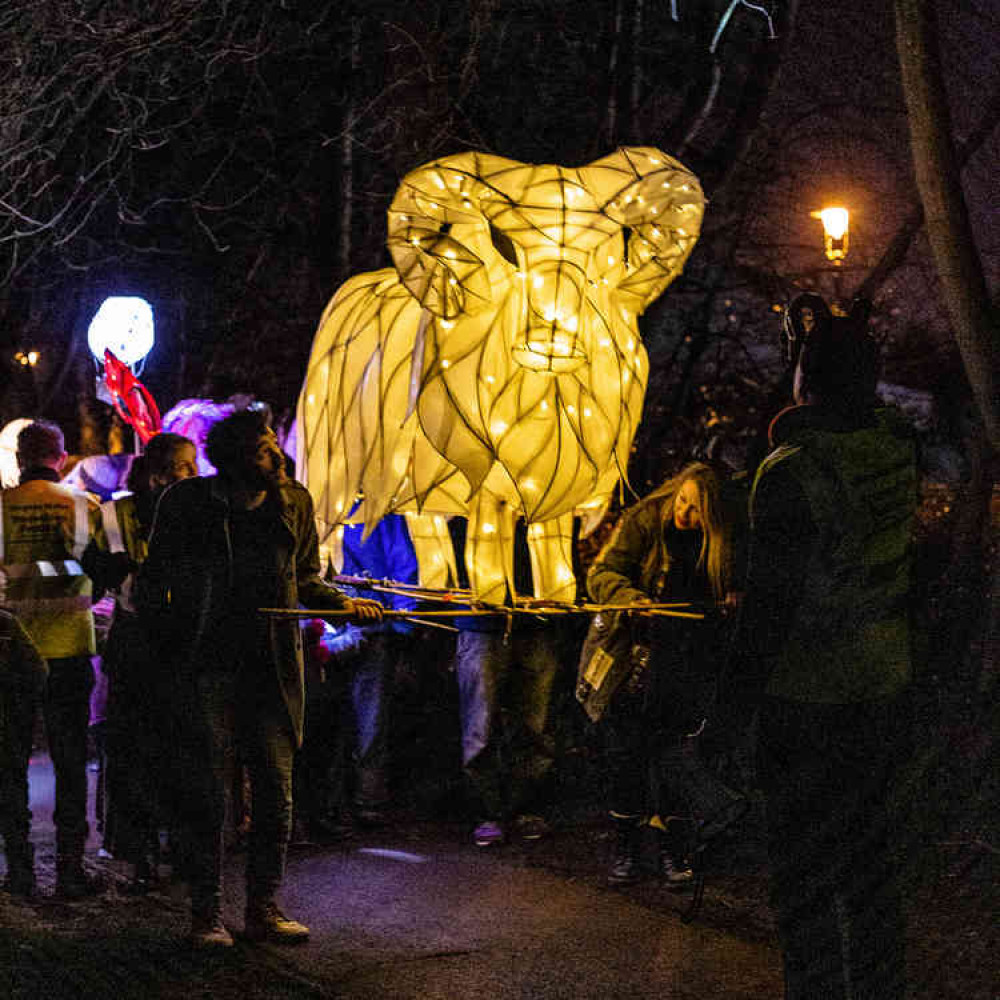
551,340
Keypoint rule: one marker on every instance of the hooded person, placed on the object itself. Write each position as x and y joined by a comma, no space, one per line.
822,649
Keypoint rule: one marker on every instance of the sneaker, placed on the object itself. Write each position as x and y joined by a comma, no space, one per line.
208,933
676,874
532,827
488,834
265,922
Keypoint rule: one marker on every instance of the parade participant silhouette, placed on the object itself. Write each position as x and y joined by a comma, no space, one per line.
134,739
674,545
221,548
44,528
822,648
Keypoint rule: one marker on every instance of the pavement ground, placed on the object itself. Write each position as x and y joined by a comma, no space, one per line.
413,910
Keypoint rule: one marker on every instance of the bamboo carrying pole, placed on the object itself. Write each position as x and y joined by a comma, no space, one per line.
529,606
538,612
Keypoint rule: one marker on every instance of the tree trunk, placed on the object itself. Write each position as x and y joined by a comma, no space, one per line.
899,245
947,219
611,116
964,285
347,160
635,94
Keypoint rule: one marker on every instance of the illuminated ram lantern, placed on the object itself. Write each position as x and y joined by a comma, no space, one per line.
497,370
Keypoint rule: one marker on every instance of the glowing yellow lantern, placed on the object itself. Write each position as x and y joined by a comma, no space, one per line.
497,370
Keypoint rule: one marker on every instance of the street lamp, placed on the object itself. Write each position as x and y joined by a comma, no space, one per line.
835,220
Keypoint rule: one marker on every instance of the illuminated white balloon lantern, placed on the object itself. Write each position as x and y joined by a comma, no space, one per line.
496,371
123,325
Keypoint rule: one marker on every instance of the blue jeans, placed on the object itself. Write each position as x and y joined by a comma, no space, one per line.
505,695
371,695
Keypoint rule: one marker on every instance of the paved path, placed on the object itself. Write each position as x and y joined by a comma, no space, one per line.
457,923
405,913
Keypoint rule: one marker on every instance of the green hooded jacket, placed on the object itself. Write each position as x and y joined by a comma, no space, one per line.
849,638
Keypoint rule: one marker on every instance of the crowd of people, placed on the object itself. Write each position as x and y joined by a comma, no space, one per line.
801,584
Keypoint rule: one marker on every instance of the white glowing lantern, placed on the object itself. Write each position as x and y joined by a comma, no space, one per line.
124,326
10,473
497,371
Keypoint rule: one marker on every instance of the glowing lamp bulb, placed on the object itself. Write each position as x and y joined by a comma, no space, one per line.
835,228
834,222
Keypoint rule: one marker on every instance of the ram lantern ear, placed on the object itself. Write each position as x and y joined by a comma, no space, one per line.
435,230
659,204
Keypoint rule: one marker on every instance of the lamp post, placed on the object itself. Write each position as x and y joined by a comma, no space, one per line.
835,219
29,359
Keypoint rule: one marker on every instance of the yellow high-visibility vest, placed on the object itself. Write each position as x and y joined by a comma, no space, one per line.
120,521
51,597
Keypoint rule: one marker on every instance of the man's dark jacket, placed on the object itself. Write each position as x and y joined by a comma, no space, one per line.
188,576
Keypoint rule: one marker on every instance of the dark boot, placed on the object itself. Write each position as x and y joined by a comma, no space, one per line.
20,869
675,843
626,865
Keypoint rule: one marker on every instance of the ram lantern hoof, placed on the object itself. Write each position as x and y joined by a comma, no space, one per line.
496,370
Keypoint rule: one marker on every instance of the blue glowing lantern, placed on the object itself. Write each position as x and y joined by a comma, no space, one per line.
124,326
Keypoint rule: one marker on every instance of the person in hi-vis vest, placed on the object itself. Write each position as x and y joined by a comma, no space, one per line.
44,528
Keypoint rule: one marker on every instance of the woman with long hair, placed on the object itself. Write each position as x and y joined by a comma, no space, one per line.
134,751
673,546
